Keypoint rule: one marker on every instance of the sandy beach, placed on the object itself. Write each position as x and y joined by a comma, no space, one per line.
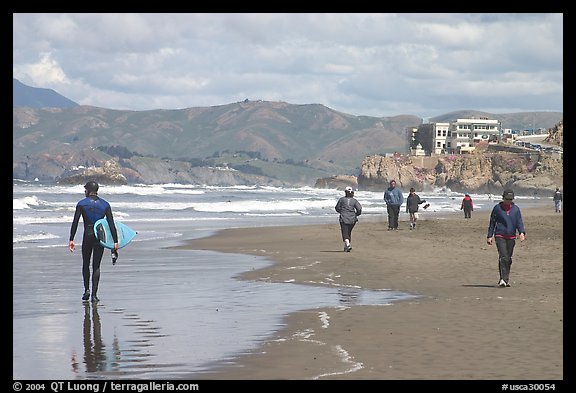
461,327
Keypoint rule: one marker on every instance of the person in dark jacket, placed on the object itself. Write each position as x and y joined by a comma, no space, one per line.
557,198
412,202
349,209
505,223
91,209
467,205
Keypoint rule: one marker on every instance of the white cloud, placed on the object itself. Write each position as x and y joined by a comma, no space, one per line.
362,64
45,69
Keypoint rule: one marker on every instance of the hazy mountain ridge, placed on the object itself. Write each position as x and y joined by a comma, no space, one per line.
278,131
49,142
35,97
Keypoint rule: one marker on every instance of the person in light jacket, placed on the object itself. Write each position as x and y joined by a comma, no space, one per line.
349,209
394,199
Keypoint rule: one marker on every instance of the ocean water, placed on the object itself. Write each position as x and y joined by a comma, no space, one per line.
165,313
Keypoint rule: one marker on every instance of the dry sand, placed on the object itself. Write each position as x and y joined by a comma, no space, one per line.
462,327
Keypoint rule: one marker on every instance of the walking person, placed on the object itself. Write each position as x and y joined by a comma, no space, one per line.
412,202
349,209
91,209
557,198
505,223
394,199
467,205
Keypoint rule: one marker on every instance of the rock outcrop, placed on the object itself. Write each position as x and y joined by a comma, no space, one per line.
556,134
109,173
155,171
337,182
482,172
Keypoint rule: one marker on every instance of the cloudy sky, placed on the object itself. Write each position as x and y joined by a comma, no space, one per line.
362,64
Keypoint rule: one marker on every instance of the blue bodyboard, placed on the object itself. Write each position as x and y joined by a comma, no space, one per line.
104,235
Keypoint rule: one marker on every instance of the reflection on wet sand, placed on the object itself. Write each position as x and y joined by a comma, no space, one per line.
114,359
348,296
94,348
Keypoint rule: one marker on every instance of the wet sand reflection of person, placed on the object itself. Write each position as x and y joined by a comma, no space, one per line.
94,348
348,296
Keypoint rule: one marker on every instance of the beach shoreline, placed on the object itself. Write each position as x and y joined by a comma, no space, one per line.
461,326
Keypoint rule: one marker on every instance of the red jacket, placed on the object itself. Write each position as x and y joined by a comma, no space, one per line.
467,203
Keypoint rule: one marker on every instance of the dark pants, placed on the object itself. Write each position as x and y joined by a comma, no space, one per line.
346,231
467,213
393,213
91,248
505,250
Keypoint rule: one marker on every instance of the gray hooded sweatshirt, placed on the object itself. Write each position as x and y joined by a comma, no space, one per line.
349,209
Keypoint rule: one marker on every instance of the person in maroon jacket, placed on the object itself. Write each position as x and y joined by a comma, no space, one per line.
505,223
467,205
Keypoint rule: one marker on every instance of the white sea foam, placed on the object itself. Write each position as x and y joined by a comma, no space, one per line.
34,236
211,207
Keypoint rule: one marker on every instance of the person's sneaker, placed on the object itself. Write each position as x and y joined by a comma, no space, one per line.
501,283
507,283
349,248
389,228
86,295
95,299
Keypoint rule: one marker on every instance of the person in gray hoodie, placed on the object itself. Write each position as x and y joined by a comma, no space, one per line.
394,199
349,209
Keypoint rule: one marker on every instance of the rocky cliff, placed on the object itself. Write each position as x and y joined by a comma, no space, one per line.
482,172
154,171
488,171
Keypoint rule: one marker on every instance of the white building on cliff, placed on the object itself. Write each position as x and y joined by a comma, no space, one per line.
457,137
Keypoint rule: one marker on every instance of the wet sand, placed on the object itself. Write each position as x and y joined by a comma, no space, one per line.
462,327
163,313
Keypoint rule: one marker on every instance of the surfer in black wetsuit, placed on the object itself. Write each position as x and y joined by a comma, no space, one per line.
91,209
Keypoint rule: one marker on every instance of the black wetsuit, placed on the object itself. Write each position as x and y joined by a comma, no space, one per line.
91,209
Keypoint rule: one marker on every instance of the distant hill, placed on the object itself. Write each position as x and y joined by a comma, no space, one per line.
274,131
291,143
34,97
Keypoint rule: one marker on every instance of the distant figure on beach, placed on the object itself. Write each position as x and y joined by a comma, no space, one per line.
557,200
91,209
505,223
467,205
394,199
412,202
349,209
